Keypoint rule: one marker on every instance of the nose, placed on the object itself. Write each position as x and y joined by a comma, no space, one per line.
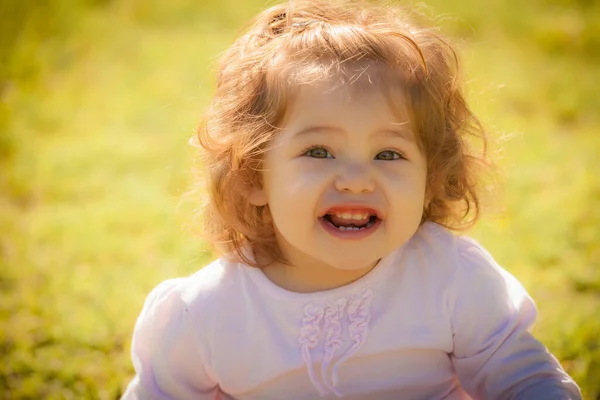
354,178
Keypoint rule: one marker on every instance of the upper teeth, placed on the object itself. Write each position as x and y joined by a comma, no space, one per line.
355,216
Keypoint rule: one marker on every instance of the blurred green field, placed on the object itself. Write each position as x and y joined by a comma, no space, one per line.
98,99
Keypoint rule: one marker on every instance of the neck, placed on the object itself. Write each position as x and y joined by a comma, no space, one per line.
313,277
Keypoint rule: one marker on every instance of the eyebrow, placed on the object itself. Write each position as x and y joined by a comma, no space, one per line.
405,134
317,129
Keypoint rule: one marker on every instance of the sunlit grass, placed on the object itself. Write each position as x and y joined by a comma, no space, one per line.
97,107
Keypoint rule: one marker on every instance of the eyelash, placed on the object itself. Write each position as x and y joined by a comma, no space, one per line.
316,147
309,149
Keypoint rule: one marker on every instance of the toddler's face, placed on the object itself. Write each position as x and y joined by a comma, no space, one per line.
344,180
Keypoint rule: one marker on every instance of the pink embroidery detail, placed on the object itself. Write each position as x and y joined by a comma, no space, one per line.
309,338
357,309
333,340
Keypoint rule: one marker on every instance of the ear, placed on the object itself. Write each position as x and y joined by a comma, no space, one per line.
257,196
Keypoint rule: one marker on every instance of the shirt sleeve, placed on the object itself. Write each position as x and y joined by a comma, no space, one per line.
495,355
165,351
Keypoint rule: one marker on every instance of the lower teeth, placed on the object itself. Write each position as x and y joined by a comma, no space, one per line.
354,228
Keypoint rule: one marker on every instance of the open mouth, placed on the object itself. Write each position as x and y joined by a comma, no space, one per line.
352,222
361,220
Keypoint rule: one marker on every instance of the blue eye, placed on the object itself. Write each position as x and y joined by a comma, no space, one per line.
388,155
318,152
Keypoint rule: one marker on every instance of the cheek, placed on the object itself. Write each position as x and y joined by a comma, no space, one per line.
294,194
406,190
300,178
402,177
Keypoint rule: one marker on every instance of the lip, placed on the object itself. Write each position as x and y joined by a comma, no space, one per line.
352,207
351,234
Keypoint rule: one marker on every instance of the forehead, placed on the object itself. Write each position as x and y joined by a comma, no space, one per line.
313,91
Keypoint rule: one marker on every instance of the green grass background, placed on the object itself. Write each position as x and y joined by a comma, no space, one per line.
98,99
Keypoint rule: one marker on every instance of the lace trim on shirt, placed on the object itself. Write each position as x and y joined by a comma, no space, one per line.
356,309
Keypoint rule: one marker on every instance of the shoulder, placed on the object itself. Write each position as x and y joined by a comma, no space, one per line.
459,253
169,345
182,313
461,264
433,248
479,270
434,237
482,290
197,295
477,289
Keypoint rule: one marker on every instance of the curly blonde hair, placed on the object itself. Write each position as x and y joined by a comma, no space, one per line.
297,42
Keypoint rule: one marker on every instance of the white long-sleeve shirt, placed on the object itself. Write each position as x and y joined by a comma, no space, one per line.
436,319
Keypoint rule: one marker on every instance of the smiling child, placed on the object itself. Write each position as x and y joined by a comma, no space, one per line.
337,150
